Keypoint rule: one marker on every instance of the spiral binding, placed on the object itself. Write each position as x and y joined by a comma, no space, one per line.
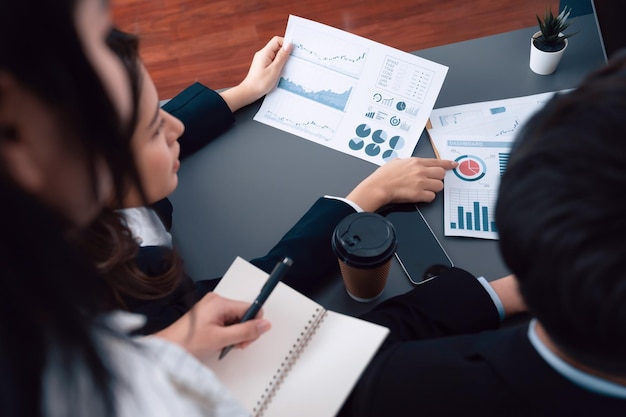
294,353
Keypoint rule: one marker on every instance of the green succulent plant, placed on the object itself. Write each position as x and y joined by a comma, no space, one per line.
552,37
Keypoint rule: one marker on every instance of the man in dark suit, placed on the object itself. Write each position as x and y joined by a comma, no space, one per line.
561,226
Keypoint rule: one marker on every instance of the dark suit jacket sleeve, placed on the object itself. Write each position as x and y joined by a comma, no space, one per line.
452,303
442,360
204,113
422,361
308,244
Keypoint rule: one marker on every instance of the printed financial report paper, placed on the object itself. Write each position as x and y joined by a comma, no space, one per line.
352,94
479,137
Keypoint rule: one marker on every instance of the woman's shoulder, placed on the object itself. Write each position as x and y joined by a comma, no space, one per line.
157,377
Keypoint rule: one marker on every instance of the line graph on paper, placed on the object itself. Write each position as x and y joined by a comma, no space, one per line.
332,90
316,103
330,52
337,100
320,124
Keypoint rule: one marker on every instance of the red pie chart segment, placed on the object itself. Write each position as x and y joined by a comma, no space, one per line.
471,168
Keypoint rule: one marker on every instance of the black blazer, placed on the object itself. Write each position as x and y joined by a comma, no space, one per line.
446,356
204,113
307,243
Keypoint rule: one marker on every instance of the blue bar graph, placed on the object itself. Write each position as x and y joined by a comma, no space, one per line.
460,217
486,218
472,210
476,215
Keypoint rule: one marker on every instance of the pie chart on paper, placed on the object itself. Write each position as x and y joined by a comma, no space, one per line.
471,168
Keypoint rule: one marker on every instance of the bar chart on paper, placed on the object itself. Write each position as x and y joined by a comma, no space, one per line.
471,189
472,210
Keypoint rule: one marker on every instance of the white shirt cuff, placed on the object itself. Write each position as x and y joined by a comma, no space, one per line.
354,205
494,297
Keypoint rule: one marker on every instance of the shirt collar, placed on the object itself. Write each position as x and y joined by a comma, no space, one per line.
582,379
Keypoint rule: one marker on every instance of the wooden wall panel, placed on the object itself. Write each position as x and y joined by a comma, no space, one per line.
214,41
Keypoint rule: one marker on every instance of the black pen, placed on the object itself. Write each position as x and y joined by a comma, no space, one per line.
277,273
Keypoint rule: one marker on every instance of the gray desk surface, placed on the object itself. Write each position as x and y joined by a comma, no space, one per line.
242,192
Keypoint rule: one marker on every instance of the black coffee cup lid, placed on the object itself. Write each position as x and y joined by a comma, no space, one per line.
364,240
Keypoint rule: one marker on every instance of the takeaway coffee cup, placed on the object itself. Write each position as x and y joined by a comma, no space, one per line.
364,244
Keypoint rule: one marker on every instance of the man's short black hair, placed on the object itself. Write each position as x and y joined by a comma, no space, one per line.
561,218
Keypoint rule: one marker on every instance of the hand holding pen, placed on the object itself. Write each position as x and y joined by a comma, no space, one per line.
277,274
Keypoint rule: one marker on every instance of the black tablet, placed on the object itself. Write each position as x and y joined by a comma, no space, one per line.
418,247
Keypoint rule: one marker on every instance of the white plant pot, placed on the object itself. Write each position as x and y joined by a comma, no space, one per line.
544,63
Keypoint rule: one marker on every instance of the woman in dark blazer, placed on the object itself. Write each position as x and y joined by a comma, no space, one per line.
133,245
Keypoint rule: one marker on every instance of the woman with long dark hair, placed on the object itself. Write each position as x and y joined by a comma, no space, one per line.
65,111
132,245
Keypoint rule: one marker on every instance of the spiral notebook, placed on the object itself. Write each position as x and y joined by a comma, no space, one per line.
306,364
